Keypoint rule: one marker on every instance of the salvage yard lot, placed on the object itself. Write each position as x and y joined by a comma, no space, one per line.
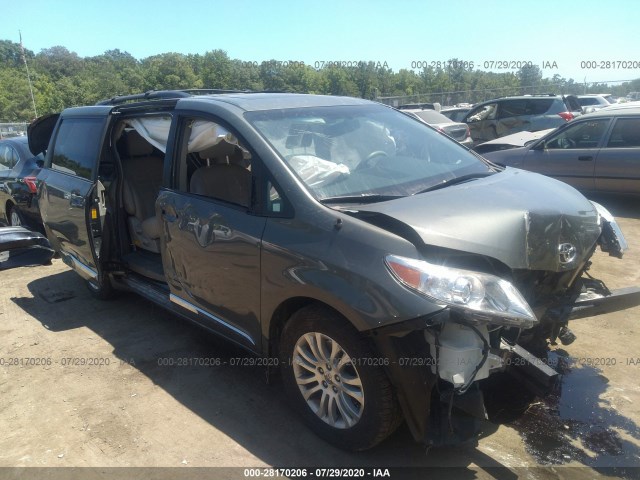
124,383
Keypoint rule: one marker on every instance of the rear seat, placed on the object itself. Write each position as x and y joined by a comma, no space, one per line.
142,170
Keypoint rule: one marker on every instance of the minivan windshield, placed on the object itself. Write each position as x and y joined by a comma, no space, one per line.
364,151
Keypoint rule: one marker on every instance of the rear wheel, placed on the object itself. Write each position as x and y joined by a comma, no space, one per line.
15,217
336,381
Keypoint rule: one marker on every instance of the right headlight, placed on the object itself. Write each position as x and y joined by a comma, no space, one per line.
483,296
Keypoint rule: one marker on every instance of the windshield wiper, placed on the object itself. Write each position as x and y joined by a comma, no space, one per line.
454,181
364,198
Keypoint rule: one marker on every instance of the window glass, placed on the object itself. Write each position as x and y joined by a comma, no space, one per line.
588,101
539,106
363,151
77,146
486,112
6,157
579,135
215,164
274,202
625,133
513,108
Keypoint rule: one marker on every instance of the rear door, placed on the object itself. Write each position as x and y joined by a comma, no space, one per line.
512,117
70,198
618,164
482,122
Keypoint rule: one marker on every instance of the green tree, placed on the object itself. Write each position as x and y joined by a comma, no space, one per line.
11,54
58,62
169,71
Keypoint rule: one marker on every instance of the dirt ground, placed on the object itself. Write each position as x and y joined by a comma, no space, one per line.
90,390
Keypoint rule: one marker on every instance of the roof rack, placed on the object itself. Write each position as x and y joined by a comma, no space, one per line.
166,94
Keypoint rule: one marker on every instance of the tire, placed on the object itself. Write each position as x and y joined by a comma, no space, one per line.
14,217
354,421
101,288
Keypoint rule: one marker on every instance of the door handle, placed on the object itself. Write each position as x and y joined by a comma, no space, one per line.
586,158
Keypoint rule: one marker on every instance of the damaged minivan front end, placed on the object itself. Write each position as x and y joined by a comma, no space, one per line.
502,304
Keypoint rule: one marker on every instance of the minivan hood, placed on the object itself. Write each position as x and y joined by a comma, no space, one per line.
519,218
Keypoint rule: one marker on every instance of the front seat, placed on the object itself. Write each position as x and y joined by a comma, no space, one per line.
225,178
142,170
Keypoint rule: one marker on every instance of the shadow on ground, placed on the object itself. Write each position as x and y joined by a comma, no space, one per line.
573,424
235,400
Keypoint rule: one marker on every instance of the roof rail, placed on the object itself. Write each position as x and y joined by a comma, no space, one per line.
165,95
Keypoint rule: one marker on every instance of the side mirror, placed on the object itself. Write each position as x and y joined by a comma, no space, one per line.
538,146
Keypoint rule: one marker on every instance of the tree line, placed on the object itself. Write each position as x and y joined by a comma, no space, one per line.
61,79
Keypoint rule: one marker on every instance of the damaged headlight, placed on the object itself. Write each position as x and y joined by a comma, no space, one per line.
485,297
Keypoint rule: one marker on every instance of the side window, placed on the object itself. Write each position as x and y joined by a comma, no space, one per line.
513,108
77,145
539,106
214,163
579,135
625,133
485,112
275,204
6,157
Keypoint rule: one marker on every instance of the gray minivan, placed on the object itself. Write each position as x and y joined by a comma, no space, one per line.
380,266
504,116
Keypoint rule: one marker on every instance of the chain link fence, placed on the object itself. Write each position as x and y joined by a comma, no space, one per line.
464,96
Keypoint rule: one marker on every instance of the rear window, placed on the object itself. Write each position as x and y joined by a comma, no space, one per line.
588,101
77,144
431,116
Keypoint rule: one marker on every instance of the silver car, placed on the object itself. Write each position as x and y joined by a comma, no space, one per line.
598,152
456,130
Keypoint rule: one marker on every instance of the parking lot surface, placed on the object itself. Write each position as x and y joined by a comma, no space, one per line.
123,383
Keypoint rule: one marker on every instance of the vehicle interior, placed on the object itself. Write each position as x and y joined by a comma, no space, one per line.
213,165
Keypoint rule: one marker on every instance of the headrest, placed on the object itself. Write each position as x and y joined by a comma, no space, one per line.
222,151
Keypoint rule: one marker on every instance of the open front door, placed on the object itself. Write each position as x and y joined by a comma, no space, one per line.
70,196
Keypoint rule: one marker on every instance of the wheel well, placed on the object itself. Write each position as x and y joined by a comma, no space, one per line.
9,205
283,313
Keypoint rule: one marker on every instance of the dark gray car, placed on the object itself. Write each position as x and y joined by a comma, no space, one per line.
505,116
18,171
599,152
382,267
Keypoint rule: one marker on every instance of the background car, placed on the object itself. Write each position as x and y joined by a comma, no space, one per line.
504,116
599,152
514,140
591,103
456,130
456,114
18,171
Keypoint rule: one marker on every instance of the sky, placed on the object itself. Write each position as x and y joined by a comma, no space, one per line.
586,40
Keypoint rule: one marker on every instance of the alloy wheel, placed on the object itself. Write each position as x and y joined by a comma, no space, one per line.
328,380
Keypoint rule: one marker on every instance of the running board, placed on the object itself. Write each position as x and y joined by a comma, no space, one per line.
161,296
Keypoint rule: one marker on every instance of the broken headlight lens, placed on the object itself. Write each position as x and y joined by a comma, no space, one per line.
481,296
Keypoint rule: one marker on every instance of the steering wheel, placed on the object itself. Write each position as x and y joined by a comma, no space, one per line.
566,143
367,161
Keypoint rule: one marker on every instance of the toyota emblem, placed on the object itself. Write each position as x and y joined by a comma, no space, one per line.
566,253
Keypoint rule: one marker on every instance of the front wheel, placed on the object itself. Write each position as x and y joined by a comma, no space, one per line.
15,217
336,381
